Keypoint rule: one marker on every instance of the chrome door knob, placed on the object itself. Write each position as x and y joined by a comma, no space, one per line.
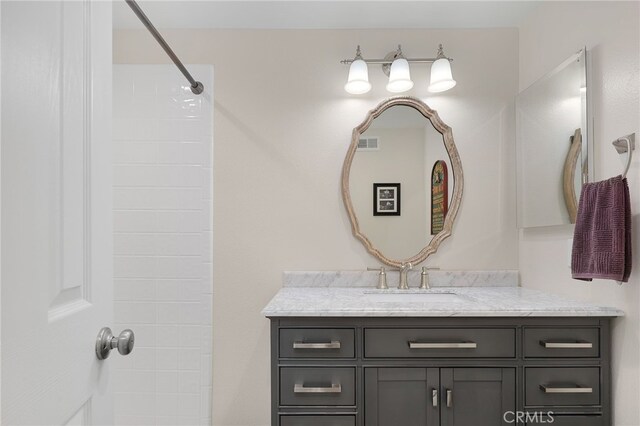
107,341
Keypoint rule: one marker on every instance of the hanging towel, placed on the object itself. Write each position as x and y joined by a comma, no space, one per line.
602,236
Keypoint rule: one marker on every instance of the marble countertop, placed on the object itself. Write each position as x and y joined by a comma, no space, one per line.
440,302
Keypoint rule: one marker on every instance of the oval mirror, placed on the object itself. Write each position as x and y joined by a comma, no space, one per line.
402,181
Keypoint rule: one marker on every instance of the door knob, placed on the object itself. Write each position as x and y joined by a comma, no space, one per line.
107,341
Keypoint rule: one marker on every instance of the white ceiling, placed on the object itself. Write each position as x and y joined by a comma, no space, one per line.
303,14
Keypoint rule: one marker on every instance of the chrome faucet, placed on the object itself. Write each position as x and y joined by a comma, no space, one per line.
402,285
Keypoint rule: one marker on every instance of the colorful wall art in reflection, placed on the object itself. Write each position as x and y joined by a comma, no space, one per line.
439,196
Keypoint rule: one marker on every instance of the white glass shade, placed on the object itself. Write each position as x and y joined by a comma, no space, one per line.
399,76
441,78
358,81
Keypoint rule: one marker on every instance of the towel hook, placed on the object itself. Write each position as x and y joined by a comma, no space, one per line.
626,144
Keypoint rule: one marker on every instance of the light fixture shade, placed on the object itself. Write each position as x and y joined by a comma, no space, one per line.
358,81
441,78
399,76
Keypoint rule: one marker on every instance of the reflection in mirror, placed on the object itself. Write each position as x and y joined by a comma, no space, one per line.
552,143
401,182
407,146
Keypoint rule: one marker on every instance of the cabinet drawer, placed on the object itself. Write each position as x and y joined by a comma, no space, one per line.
571,420
317,421
317,386
439,343
562,386
317,343
561,342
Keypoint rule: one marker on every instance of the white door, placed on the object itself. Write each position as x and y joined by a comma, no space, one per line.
56,253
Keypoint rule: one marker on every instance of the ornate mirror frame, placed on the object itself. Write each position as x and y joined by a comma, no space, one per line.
456,164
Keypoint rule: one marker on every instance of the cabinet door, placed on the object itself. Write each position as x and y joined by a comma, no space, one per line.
401,396
477,396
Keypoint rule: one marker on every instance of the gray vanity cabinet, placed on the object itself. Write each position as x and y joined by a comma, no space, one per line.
401,396
440,371
438,396
477,396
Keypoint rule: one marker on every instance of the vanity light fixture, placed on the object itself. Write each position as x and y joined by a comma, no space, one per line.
441,78
399,74
358,81
396,66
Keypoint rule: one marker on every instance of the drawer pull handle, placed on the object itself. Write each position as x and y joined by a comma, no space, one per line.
449,398
566,345
575,389
461,345
334,344
334,388
434,397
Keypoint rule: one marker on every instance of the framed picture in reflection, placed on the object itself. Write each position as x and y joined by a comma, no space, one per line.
386,199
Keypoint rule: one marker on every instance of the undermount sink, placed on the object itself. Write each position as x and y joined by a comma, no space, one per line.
413,296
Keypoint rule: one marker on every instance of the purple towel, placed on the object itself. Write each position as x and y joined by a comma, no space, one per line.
602,237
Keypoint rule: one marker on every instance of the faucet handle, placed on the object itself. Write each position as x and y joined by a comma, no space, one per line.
424,277
382,278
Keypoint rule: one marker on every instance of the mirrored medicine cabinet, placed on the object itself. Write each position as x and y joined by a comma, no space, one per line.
553,145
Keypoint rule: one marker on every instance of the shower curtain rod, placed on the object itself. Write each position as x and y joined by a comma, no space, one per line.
196,86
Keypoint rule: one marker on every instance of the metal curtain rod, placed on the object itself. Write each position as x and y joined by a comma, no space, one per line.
196,86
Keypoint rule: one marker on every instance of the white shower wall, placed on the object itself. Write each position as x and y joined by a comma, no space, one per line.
162,169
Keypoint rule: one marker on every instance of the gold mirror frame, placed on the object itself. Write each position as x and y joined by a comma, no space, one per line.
456,164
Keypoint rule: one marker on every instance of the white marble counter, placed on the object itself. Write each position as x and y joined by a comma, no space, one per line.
456,302
437,278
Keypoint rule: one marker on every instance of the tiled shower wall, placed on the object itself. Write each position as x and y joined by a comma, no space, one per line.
162,168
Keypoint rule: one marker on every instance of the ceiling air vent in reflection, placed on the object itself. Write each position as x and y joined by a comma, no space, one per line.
368,144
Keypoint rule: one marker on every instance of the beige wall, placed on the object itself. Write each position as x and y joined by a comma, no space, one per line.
610,32
282,125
